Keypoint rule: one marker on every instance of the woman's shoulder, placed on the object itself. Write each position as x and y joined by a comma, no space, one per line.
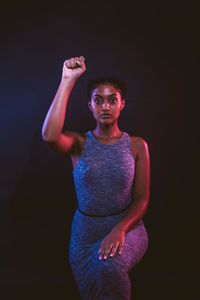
138,144
137,140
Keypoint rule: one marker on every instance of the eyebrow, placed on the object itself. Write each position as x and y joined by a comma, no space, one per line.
97,95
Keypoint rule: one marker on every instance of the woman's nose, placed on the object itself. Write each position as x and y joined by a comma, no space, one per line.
106,105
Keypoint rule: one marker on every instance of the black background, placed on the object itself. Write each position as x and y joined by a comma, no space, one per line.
153,47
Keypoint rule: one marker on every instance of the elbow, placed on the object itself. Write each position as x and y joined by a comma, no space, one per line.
145,204
45,136
48,137
44,132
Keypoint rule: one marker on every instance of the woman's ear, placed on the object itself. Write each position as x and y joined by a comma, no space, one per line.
122,103
89,105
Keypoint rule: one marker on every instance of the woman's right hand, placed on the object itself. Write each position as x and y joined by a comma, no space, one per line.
73,68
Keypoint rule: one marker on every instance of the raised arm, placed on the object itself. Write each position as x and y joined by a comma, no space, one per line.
52,134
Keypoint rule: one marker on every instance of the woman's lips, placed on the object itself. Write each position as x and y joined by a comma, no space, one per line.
106,115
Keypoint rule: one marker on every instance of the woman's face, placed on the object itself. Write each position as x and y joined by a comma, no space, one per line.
106,103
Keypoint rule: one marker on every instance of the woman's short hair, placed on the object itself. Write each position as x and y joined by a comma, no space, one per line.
116,82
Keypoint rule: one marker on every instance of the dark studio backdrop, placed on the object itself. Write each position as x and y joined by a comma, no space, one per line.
153,47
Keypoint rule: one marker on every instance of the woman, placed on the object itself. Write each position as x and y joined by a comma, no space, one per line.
112,175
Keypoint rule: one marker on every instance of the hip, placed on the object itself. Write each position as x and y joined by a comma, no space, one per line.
92,229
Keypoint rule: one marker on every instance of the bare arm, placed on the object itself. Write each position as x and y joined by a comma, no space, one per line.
54,121
116,238
141,189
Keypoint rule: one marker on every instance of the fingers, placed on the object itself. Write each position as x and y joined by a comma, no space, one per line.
74,62
82,58
77,61
114,249
67,63
104,253
120,249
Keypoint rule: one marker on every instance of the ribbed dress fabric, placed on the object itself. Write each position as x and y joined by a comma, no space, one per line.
104,179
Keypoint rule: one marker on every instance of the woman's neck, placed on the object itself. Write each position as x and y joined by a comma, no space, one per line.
107,132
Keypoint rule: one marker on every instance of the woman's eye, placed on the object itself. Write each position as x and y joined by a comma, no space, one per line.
113,100
97,100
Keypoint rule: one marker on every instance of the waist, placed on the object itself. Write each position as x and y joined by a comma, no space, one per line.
105,215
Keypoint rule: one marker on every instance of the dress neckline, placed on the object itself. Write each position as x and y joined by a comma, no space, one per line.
92,135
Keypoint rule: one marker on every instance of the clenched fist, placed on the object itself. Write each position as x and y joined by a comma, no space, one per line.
73,68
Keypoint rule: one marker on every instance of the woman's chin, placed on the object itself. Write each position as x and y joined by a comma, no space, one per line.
106,121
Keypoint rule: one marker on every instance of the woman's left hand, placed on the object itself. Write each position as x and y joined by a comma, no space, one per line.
114,240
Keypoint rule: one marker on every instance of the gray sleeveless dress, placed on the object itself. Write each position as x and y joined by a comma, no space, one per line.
103,179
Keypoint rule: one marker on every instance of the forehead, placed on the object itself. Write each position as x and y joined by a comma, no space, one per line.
105,89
